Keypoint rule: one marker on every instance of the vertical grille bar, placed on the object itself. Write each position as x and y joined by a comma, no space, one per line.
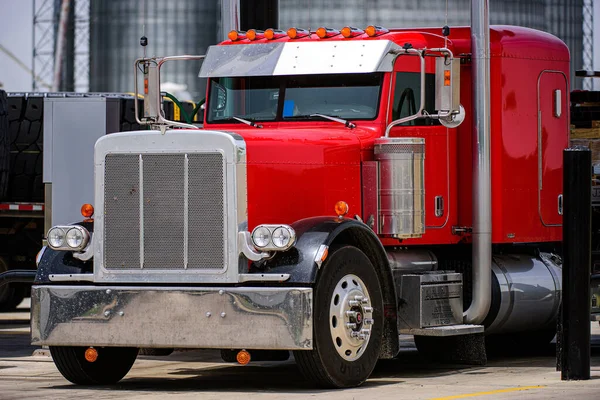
185,211
141,161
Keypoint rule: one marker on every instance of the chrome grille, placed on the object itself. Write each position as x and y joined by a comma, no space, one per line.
164,211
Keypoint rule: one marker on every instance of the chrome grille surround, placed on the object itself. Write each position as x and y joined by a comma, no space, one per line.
169,207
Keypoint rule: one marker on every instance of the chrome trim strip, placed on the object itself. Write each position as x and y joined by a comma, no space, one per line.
71,277
264,277
184,317
185,210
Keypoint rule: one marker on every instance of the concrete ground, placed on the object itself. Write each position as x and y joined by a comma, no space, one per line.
201,374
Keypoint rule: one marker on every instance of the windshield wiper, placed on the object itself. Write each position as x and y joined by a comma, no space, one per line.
247,122
346,123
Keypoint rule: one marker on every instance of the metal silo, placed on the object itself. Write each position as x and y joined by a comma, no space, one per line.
172,28
562,18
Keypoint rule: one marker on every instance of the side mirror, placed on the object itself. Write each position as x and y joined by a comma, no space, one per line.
447,91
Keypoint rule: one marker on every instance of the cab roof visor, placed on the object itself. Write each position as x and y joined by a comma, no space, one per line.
299,58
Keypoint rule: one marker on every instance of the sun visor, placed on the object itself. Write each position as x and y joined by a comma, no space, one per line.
299,58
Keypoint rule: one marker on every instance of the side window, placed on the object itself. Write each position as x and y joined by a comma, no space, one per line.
407,97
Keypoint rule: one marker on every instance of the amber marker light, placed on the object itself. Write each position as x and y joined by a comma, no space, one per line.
243,357
297,33
253,34
373,30
341,208
349,32
271,34
87,210
235,35
323,32
91,355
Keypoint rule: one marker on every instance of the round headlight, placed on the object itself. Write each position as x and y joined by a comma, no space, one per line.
56,237
281,237
74,238
261,236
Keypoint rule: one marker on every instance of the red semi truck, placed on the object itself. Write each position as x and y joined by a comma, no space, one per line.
346,187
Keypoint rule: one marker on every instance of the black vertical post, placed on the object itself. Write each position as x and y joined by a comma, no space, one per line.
259,14
575,336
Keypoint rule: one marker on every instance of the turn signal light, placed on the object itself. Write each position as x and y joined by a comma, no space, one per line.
235,35
243,357
91,355
327,32
297,33
253,34
341,208
87,210
274,34
349,32
373,30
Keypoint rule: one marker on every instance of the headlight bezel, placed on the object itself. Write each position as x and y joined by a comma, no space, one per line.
271,246
85,234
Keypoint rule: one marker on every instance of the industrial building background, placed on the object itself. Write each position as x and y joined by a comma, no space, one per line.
102,36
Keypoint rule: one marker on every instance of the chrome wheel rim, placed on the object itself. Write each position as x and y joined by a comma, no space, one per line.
350,317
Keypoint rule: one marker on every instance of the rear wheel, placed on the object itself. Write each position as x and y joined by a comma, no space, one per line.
112,365
348,322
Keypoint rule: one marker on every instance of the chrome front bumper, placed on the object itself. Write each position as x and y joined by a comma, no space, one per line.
228,318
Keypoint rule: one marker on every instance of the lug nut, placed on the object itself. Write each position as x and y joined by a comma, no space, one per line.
365,332
358,298
350,325
362,337
368,309
351,314
365,300
368,321
354,334
353,303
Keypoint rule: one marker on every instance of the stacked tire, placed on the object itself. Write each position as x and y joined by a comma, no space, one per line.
25,117
4,145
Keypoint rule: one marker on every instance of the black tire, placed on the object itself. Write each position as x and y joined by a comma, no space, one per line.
156,352
11,295
323,365
112,365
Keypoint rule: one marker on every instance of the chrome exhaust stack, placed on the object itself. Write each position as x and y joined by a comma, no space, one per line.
482,196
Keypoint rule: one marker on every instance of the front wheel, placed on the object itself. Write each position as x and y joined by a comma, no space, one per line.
112,364
347,323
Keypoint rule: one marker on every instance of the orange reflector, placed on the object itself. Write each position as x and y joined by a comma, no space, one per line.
292,33
447,77
87,210
322,32
243,357
349,32
274,34
91,355
341,208
325,254
145,86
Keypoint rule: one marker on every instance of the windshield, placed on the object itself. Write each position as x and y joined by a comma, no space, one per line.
281,98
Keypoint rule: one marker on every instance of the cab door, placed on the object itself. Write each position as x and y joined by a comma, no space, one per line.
553,138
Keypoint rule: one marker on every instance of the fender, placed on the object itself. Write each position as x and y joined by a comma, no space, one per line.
62,262
299,262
